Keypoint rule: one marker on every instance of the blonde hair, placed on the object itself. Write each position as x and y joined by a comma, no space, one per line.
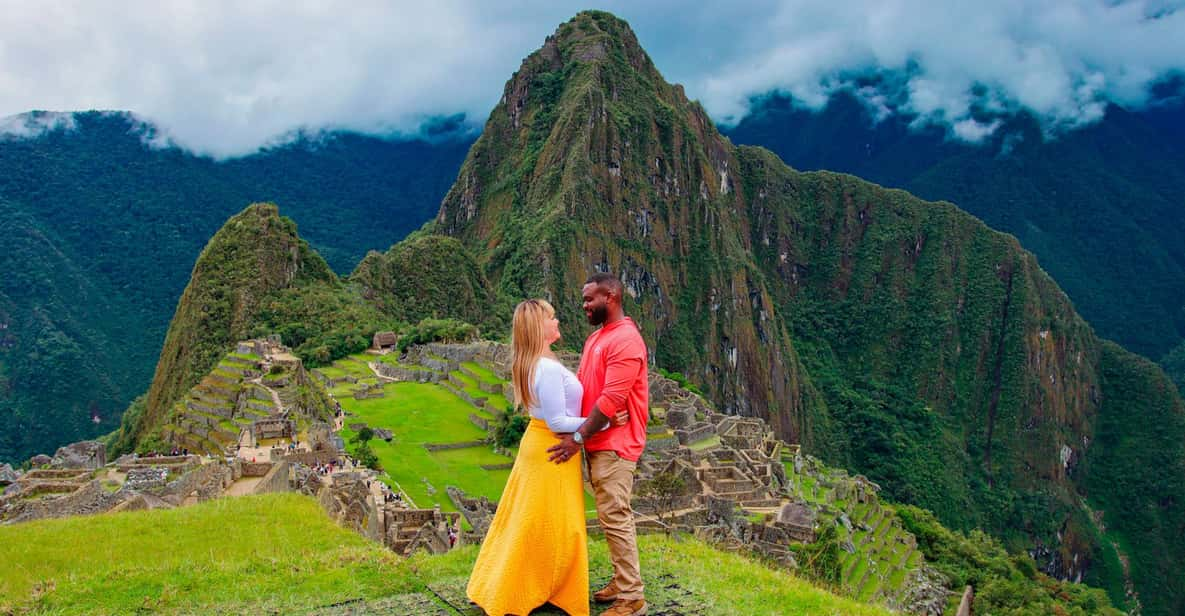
528,333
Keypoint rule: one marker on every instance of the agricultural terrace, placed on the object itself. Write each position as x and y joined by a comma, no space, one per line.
437,440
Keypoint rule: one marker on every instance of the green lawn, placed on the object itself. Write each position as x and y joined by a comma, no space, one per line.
470,387
482,372
279,553
419,413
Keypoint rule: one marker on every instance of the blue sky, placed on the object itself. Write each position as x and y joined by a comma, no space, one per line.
223,78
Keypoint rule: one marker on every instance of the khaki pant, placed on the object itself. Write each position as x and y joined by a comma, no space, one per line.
612,479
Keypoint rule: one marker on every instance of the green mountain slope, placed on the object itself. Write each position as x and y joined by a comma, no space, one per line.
423,277
901,338
126,221
255,276
53,379
590,162
1100,206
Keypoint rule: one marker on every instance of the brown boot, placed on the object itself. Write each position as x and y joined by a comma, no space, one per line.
626,607
608,594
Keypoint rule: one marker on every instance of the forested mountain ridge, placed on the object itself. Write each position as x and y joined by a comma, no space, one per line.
901,338
101,227
1100,205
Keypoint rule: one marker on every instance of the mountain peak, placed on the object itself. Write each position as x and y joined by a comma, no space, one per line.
254,254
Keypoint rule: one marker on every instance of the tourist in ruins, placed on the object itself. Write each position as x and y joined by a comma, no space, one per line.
536,549
613,374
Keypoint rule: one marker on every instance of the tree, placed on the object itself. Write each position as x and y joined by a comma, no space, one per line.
664,489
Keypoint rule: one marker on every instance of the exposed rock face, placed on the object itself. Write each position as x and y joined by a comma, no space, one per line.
39,461
926,593
919,320
84,454
592,162
7,475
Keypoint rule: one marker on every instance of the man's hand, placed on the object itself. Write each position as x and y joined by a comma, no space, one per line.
566,448
621,418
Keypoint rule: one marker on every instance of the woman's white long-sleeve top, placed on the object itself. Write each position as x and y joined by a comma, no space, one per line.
557,396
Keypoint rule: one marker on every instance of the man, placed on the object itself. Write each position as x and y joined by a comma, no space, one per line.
613,373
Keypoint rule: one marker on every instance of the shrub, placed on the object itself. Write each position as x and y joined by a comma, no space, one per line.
510,428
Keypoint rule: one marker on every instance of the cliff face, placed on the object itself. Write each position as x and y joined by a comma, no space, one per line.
592,162
902,338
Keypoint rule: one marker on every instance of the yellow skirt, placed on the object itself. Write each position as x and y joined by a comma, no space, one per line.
536,550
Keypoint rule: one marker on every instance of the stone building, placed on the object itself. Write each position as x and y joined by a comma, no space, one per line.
384,341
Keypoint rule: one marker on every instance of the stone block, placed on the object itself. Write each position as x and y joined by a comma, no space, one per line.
83,454
680,417
7,475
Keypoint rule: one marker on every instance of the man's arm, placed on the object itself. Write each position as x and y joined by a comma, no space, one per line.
620,374
567,447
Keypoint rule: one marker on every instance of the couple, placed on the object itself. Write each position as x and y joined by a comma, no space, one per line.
536,550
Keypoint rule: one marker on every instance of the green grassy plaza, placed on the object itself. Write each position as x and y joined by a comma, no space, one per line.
419,413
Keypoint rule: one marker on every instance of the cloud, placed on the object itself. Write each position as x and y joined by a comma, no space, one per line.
1062,61
27,125
224,78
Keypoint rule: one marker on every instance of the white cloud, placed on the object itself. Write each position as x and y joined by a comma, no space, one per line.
32,124
224,77
1061,60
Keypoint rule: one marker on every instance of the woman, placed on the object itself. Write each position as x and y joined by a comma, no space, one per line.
536,550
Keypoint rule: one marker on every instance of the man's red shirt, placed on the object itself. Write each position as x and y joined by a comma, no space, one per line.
613,371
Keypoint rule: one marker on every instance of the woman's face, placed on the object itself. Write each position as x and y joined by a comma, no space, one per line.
551,329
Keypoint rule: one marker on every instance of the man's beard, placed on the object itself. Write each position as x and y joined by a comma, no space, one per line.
598,315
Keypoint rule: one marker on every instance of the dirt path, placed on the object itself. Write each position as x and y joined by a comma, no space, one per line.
243,486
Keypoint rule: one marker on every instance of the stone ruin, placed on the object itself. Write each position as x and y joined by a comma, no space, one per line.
478,511
8,476
273,427
75,486
84,454
349,499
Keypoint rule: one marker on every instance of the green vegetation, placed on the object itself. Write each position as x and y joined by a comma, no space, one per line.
420,413
1004,584
280,553
427,277
255,277
898,338
1135,479
100,235
436,330
895,337
1098,205
1174,366
279,546
510,428
679,378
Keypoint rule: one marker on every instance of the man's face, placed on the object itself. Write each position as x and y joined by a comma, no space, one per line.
596,303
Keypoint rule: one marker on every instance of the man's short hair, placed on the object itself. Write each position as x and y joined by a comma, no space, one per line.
609,281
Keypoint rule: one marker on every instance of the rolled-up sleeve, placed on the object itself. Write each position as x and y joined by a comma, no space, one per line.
621,372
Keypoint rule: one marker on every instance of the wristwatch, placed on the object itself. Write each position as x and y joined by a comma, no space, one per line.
578,437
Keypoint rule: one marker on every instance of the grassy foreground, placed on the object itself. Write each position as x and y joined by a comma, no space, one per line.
279,552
